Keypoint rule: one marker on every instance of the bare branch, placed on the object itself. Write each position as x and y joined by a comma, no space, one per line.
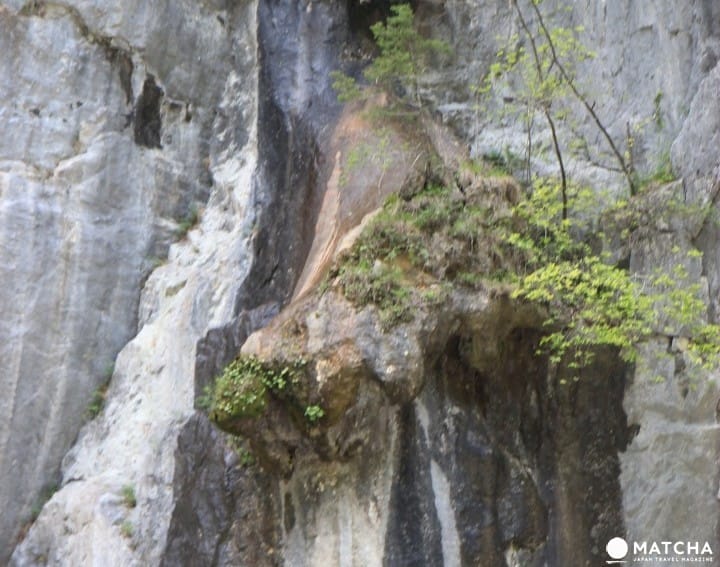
627,171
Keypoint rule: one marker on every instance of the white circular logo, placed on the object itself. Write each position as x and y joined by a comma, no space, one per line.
617,548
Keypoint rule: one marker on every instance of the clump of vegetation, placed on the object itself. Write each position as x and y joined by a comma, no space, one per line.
242,390
314,413
128,496
589,302
190,219
663,173
97,402
403,56
415,247
127,530
242,450
44,497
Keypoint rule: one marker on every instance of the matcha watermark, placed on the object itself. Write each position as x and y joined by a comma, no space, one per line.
619,551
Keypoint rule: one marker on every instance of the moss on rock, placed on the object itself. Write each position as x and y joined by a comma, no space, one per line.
419,245
242,390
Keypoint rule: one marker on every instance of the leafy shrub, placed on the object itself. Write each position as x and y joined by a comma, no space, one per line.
127,529
190,219
242,390
414,247
128,496
440,236
404,56
314,413
589,302
97,402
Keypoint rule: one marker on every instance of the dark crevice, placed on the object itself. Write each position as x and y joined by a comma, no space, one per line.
147,122
362,15
122,61
292,117
413,534
530,462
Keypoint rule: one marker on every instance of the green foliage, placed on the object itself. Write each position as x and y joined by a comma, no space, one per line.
346,87
657,111
663,173
247,459
413,249
590,304
128,496
380,284
127,529
97,402
242,450
187,222
543,235
241,390
314,413
403,52
205,400
680,300
45,495
503,163
404,56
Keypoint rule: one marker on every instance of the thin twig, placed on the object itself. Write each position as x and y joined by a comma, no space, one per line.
590,108
546,110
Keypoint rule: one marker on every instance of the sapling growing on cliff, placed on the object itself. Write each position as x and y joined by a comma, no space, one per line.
543,61
404,56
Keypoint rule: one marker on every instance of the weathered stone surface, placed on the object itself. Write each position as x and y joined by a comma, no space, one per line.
84,210
643,49
109,206
669,472
696,157
449,463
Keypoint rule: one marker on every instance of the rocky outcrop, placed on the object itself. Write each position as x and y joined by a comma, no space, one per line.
444,441
228,273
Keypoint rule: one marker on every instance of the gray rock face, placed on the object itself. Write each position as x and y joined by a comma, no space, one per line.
108,137
650,60
118,118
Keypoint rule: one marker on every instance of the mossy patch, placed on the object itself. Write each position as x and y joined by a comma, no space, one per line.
416,247
243,388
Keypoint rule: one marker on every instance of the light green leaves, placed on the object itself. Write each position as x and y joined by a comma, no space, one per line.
404,56
346,87
591,303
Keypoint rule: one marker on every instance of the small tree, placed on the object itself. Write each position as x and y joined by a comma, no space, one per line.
545,69
404,56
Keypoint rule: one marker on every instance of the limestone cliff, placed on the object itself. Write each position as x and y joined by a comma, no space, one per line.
174,180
